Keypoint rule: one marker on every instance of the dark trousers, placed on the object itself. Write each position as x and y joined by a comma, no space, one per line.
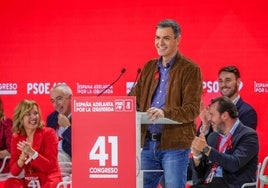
215,183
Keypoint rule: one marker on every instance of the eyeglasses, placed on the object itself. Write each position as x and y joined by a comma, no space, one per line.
57,99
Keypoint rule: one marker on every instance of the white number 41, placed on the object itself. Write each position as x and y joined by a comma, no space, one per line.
98,151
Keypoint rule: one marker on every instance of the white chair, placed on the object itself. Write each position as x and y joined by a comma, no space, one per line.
263,177
66,172
65,184
4,176
255,184
4,163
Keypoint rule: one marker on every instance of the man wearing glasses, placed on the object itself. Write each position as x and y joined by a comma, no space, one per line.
60,120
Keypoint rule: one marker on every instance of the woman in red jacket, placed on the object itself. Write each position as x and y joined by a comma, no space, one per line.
34,150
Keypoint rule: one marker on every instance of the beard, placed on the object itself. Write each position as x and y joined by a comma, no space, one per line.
219,127
232,92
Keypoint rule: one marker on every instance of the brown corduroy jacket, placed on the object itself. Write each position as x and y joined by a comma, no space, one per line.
183,99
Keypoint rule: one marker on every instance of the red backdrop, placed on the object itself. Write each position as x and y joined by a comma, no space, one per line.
86,44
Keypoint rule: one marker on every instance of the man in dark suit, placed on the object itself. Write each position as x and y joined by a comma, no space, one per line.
60,120
229,82
229,156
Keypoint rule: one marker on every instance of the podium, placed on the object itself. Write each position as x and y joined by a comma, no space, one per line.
103,142
106,142
141,118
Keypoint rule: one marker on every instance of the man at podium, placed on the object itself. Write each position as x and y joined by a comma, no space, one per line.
169,87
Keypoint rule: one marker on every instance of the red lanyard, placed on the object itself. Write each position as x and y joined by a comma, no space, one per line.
225,145
221,150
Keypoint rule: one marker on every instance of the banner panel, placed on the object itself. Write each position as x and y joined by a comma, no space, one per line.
104,141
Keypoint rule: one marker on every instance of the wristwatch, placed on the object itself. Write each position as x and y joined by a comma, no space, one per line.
206,149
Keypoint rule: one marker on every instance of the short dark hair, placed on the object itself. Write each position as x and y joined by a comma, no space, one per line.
226,105
170,23
231,69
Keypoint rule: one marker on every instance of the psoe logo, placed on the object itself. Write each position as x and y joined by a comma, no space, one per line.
119,105
8,88
124,105
40,87
213,86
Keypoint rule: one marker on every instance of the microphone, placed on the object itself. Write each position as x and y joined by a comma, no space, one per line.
122,72
138,72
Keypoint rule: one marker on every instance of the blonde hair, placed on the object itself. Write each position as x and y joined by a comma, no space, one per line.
20,111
